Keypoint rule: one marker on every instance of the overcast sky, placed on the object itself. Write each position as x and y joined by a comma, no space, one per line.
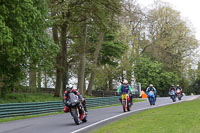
189,9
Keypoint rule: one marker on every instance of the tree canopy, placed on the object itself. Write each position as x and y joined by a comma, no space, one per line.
97,42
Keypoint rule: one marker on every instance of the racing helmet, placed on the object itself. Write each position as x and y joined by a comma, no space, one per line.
125,81
151,85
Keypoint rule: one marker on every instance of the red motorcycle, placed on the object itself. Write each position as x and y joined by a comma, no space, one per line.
126,102
76,109
179,94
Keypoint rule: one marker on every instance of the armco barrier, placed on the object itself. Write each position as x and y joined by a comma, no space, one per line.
22,109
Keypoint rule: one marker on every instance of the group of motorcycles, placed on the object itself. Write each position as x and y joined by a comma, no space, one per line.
125,100
79,115
173,94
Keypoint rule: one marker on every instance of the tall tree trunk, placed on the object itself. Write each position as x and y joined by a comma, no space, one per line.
84,88
64,54
32,79
61,56
58,82
129,75
45,79
110,83
61,62
58,58
122,75
96,55
39,80
2,86
81,72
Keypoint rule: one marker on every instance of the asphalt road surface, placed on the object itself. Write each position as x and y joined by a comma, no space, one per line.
63,123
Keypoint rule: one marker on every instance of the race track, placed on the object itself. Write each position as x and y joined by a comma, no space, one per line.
63,123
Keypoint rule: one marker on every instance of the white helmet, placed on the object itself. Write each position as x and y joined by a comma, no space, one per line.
69,86
151,85
125,82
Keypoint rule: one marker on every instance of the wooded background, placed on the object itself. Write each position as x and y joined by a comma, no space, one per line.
99,41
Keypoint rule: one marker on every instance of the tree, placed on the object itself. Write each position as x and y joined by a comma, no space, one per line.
132,33
148,71
95,16
61,14
109,57
195,84
23,27
171,40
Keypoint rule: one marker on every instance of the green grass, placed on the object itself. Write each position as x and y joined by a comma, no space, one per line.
28,97
31,97
177,118
31,116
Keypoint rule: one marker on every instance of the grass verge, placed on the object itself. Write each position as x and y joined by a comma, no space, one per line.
176,118
28,97
54,113
31,97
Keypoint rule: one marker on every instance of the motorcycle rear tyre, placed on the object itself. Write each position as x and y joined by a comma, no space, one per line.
150,100
129,108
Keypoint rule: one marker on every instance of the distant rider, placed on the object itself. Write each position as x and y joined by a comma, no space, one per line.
179,88
69,89
172,88
125,88
151,88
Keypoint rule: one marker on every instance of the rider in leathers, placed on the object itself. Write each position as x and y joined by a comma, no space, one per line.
179,88
172,88
69,89
124,88
151,88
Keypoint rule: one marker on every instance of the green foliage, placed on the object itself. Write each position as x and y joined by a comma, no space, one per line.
110,54
22,38
171,38
166,80
194,86
148,71
111,50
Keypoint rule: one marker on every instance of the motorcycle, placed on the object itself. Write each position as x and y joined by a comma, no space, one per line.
178,93
151,97
125,99
76,109
172,95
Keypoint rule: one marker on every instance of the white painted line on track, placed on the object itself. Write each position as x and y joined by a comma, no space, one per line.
81,129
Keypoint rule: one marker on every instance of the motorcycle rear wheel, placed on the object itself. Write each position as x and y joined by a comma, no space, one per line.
174,98
129,107
150,101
